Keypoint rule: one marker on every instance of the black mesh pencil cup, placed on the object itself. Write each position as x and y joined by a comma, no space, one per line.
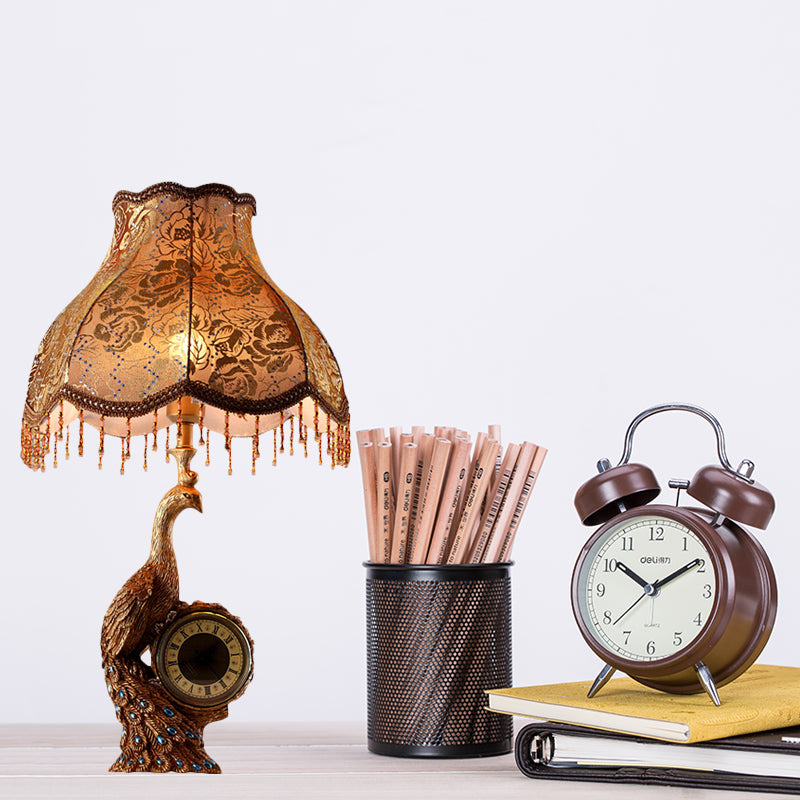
437,638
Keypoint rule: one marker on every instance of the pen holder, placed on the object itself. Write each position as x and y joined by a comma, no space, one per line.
437,638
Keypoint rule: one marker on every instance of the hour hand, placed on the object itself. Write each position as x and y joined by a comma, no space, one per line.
625,570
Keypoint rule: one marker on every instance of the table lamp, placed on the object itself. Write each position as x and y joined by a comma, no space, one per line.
181,327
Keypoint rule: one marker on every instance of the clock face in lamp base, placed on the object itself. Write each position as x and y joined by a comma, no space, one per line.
203,659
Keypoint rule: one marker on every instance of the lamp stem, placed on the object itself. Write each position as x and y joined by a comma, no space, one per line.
186,413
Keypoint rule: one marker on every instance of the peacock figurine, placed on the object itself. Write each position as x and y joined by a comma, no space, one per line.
159,735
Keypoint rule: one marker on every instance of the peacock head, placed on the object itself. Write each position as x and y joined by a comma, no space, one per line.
186,497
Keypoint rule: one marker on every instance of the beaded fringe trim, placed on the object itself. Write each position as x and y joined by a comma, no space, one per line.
38,445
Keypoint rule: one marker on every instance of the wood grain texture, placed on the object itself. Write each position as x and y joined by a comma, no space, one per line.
278,760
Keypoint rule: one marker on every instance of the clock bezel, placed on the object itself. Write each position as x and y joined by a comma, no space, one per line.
720,615
239,684
589,556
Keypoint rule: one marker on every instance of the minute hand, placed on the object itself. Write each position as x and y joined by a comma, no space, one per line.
678,572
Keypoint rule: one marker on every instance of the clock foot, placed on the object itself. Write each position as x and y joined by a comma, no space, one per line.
602,679
706,679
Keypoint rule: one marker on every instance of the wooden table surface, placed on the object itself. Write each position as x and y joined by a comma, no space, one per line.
275,760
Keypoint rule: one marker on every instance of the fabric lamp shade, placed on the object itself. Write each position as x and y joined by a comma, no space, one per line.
183,308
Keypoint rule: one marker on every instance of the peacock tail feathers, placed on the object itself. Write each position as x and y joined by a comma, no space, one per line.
157,735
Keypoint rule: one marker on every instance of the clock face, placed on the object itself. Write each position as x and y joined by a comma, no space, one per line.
646,588
203,659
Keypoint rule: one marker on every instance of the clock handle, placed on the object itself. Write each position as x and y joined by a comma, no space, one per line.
745,468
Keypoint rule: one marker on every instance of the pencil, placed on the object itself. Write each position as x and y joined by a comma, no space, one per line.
408,466
456,478
508,539
366,453
480,440
494,433
424,450
429,500
394,438
494,500
383,471
513,492
483,471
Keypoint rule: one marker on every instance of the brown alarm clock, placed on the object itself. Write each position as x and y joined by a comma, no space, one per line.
681,599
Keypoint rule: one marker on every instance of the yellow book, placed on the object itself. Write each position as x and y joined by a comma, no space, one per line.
765,697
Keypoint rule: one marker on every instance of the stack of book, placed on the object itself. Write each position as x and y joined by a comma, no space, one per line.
632,734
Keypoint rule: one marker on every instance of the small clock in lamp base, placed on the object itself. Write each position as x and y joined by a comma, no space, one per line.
204,658
681,599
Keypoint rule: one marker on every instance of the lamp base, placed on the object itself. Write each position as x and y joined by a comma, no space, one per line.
201,660
201,656
158,735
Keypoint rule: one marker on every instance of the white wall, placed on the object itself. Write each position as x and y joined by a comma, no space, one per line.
550,215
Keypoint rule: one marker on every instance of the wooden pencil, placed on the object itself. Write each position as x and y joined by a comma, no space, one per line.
481,475
366,453
504,553
494,501
394,437
385,500
429,500
424,452
377,435
451,493
408,466
513,492
494,433
480,440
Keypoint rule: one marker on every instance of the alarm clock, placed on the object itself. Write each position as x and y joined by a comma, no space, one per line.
204,658
681,599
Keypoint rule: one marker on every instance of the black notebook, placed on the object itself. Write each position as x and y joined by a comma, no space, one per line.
762,762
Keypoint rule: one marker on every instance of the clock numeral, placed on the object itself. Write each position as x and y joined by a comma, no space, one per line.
698,620
702,567
208,691
229,640
651,648
677,639
707,591
184,634
173,646
627,635
223,684
657,535
600,589
627,543
607,617
685,544
609,564
172,663
216,629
